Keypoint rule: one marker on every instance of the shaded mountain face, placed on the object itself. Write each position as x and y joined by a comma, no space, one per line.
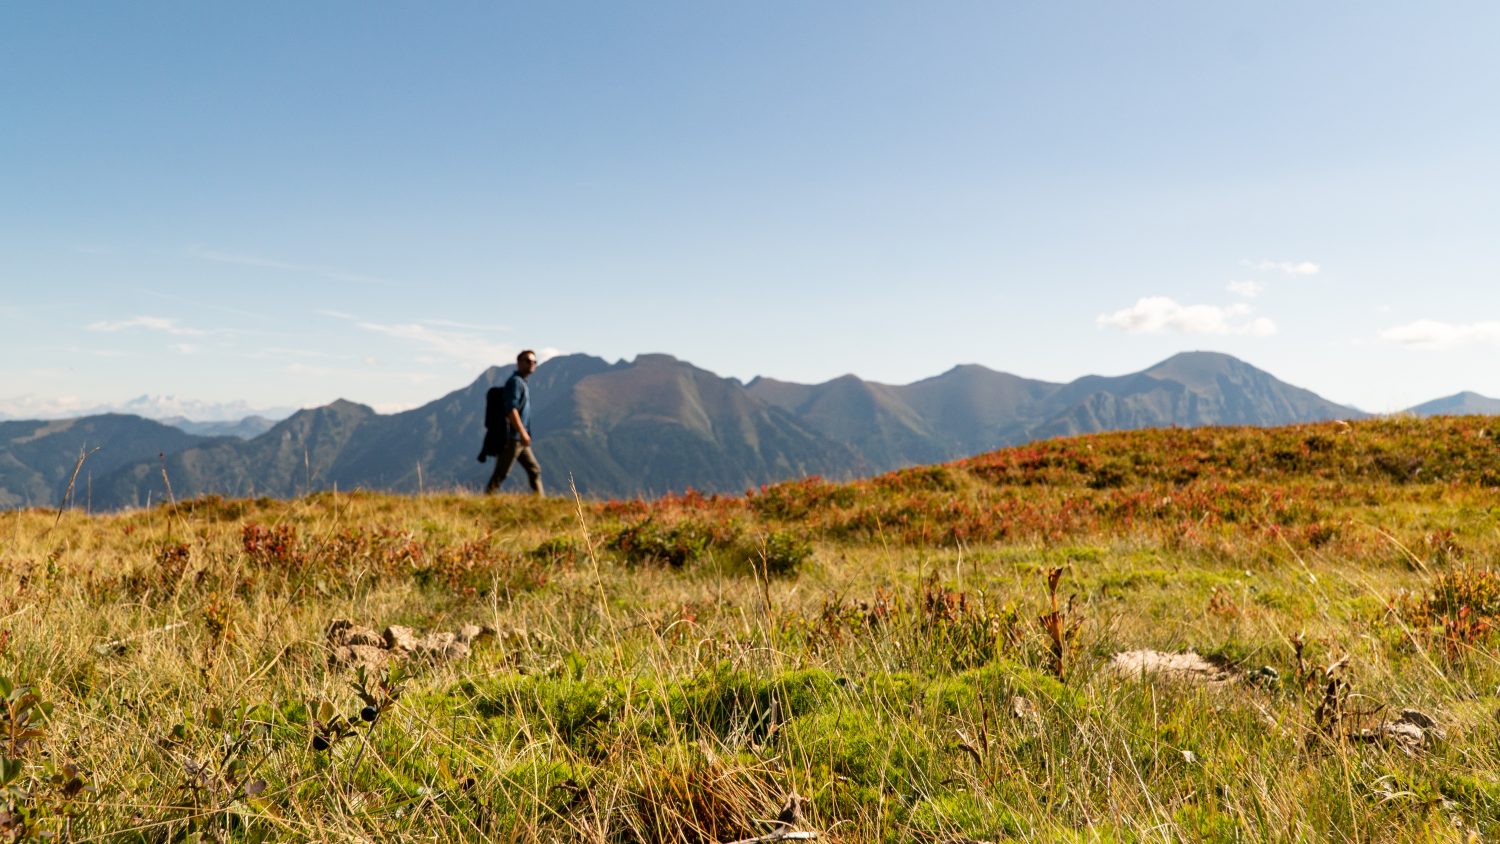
645,427
649,426
659,424
1188,389
872,419
971,409
1459,404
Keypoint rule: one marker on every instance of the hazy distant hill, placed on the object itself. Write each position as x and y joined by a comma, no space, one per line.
297,455
1460,404
644,427
247,428
37,458
169,409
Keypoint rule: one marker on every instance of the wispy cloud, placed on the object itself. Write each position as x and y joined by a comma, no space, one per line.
1431,334
147,323
295,353
36,407
197,302
149,406
1247,289
436,341
1158,314
330,273
361,375
1287,267
462,346
448,323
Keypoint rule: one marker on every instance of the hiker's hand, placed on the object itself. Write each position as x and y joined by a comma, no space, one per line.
525,437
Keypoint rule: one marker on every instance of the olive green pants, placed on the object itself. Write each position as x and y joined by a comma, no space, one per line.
514,452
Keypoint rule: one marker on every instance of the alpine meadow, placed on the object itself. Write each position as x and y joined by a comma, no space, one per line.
1208,634
682,422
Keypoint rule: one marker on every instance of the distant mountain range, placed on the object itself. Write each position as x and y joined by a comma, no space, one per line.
247,428
645,427
169,409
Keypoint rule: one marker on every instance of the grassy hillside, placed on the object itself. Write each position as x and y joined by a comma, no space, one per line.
925,656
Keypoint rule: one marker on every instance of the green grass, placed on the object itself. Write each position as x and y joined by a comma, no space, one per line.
673,670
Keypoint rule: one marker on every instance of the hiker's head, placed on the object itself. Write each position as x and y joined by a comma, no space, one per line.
526,362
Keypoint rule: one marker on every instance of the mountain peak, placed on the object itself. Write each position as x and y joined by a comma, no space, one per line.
347,406
654,359
1459,404
968,369
1198,360
1200,368
341,408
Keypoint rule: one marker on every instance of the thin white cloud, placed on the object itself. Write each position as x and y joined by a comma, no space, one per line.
448,323
330,273
149,406
148,323
1431,334
360,375
1247,289
285,352
35,407
1158,314
71,349
1287,267
197,301
462,346
1258,327
437,341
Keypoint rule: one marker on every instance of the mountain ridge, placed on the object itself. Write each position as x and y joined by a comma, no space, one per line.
657,424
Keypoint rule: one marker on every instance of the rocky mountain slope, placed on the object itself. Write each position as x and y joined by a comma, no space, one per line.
644,427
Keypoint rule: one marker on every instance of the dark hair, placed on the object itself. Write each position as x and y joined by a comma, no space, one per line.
523,354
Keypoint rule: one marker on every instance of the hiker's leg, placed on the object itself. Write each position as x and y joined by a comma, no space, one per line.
503,460
533,469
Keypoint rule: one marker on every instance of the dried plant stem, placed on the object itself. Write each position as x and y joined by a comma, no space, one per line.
171,499
68,494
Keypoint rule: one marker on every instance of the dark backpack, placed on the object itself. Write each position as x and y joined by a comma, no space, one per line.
495,411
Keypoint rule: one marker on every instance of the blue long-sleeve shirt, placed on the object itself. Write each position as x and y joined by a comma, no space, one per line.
517,397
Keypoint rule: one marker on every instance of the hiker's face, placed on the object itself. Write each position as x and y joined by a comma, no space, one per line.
526,365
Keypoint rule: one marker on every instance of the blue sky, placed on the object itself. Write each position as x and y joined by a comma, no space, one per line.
287,203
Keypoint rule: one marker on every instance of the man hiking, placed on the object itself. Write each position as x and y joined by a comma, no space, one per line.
507,424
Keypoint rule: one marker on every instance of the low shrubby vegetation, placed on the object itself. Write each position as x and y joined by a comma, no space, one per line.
931,655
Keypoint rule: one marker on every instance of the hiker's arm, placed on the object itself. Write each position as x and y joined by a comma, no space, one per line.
515,422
